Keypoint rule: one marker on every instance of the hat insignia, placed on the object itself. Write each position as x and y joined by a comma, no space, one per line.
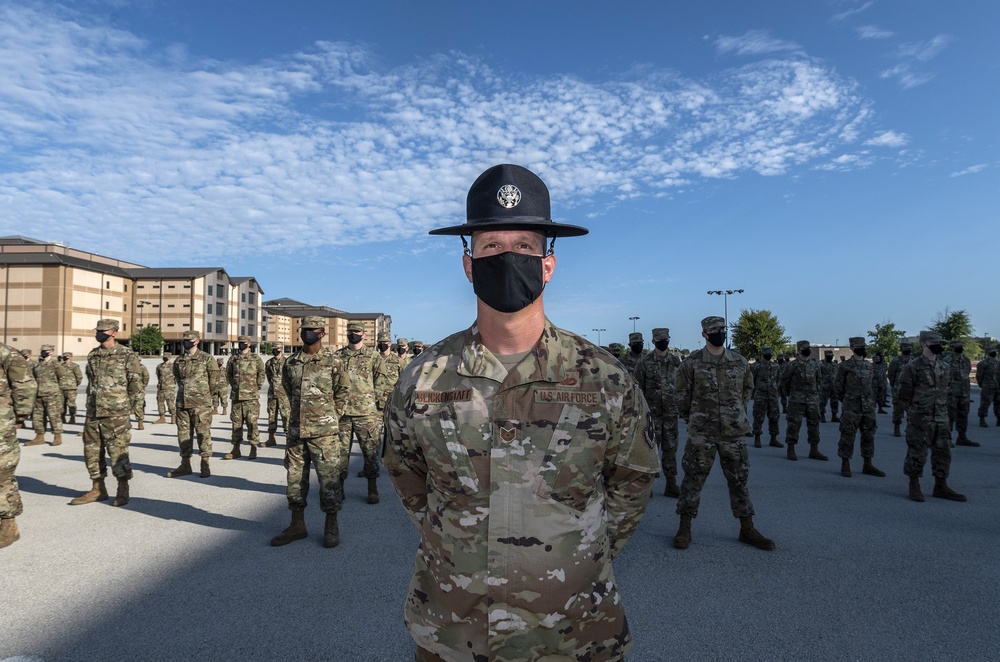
508,196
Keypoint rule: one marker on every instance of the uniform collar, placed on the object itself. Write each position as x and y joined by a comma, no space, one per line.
479,361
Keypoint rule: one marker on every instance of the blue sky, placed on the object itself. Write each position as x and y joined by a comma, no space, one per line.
836,160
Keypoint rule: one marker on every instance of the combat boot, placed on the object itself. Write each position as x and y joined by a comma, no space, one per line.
121,496
895,430
253,452
72,418
98,492
184,469
38,440
235,453
372,491
271,441
295,531
822,417
961,441
8,532
160,421
140,426
57,439
683,537
845,468
814,453
871,470
982,422
671,490
756,441
942,491
171,419
835,419
915,493
751,536
206,472
331,531
882,410
790,451
774,442
223,410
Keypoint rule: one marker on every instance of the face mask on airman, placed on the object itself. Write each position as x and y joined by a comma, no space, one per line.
936,348
402,351
310,336
959,350
806,352
188,344
861,351
767,356
46,354
716,338
243,346
507,282
662,345
383,347
906,352
636,347
101,336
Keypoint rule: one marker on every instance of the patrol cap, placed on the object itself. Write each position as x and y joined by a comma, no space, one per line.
67,353
827,352
313,322
930,337
356,326
48,348
661,334
713,322
107,325
856,342
243,339
634,337
510,197
384,337
615,347
957,343
766,349
905,343
417,343
402,342
802,344
191,335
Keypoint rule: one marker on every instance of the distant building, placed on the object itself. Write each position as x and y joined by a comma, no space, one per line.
282,323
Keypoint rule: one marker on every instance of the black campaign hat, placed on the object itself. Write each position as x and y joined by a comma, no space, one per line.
509,197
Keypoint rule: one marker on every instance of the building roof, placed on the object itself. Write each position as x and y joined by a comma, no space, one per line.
18,240
67,260
175,272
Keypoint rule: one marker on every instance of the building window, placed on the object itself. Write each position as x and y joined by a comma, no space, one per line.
218,326
250,329
243,314
126,287
107,284
170,287
187,287
208,309
124,307
187,305
219,292
243,297
252,297
243,330
141,287
156,287
169,324
252,315
218,309
170,305
124,327
107,305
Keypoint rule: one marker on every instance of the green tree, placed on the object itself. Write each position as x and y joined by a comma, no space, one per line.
266,347
885,340
149,340
755,329
957,325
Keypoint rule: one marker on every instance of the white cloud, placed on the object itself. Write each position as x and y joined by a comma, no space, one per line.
888,139
123,146
753,42
853,11
872,32
912,57
971,170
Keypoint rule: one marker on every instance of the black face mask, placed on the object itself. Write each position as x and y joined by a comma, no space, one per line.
243,346
716,338
616,354
936,348
861,351
45,355
101,336
354,338
416,352
906,352
959,350
275,352
383,346
310,336
662,345
401,351
806,352
188,344
507,282
636,347
767,357
828,359
993,354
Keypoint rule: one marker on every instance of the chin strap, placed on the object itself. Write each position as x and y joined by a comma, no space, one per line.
552,246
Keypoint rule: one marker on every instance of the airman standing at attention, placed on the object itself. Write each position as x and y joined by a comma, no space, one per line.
219,395
828,371
895,367
49,402
766,385
988,378
418,348
139,408
959,393
881,383
277,399
854,386
245,375
166,389
114,385
198,381
631,358
403,352
17,398
801,380
387,372
782,396
70,378
655,374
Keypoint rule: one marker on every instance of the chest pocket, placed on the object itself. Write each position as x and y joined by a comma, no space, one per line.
450,467
571,468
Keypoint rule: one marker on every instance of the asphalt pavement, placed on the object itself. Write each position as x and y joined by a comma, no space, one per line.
185,571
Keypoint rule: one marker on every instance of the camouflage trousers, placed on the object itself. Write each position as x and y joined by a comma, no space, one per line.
244,413
50,407
794,414
825,396
665,431
164,402
367,429
277,404
199,421
218,401
69,402
987,396
326,454
112,433
139,408
958,412
765,406
881,393
10,454
851,421
897,408
699,456
923,434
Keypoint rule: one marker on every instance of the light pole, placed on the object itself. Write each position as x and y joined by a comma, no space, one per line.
633,323
142,304
598,334
725,300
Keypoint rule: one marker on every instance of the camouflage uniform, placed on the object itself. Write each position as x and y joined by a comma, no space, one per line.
139,408
199,384
277,399
766,384
959,392
524,483
828,372
854,385
17,398
881,383
245,374
895,367
801,381
317,388
49,402
630,359
219,395
987,374
404,358
70,377
166,389
360,417
655,375
782,395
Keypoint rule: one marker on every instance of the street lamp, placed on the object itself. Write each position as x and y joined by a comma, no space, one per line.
142,304
725,298
598,334
633,323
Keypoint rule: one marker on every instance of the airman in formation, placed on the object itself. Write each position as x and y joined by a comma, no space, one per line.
854,386
70,378
988,378
17,398
802,381
49,402
655,374
246,375
766,387
277,399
